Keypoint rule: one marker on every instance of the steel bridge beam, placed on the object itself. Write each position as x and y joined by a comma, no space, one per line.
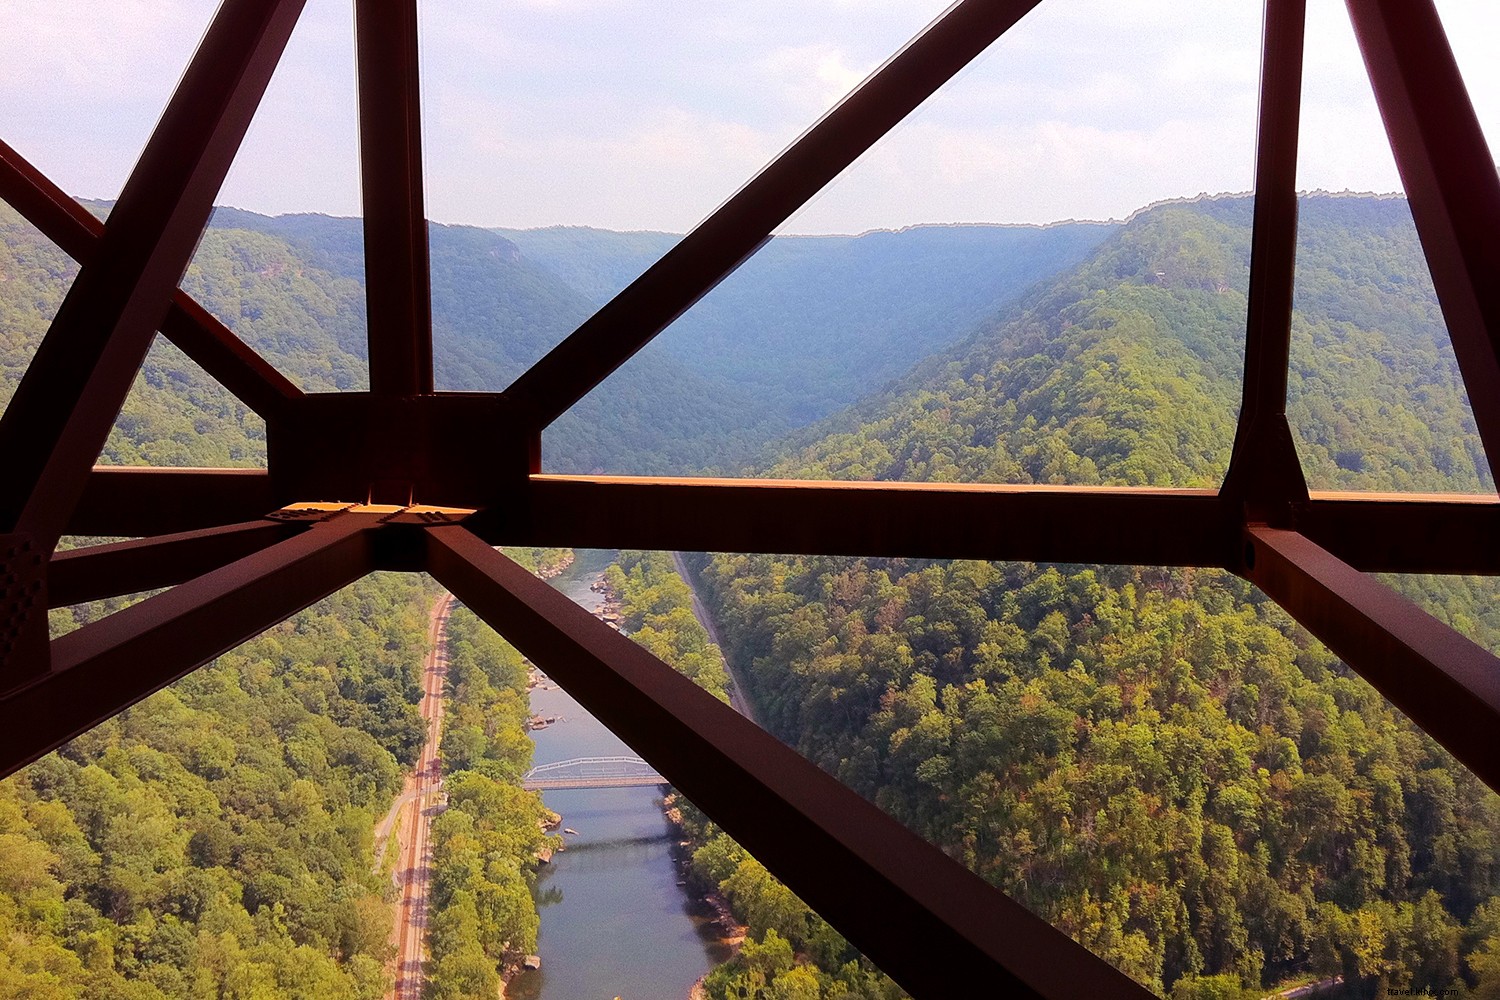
1417,533
876,882
1443,681
57,422
125,501
923,520
209,343
1264,472
1450,182
397,284
108,665
65,405
133,567
879,883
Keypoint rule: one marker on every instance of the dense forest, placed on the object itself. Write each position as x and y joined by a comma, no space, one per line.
1126,370
1159,762
216,839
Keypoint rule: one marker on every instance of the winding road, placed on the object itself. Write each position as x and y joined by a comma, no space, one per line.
416,806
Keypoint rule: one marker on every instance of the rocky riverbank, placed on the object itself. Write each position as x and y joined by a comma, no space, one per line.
731,933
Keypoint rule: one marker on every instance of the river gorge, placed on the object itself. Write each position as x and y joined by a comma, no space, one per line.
614,919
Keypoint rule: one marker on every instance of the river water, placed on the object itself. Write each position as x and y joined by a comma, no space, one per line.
615,923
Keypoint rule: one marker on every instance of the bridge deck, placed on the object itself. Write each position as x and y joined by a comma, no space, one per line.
619,781
591,772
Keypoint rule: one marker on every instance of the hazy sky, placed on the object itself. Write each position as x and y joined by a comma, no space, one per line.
632,114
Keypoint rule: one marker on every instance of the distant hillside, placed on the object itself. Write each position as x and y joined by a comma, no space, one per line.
1127,368
812,323
495,312
808,326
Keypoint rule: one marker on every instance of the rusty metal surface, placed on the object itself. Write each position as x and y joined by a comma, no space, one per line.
138,565
1264,472
1410,533
124,501
23,595
1450,181
881,885
937,521
448,449
397,284
1444,682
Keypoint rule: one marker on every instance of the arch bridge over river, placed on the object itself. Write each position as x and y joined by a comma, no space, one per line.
592,772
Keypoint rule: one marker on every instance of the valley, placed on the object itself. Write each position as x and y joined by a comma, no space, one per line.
1159,762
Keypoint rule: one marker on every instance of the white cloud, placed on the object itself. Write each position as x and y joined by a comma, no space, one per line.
82,84
811,78
640,113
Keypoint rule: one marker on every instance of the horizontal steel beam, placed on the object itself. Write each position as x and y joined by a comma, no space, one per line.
926,520
110,664
1444,682
139,565
1390,532
127,501
1406,532
883,887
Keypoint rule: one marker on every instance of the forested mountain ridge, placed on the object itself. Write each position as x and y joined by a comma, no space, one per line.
812,323
762,355
1159,762
494,312
1126,369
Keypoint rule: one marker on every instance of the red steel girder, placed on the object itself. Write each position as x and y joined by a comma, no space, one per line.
400,449
1374,532
1415,533
188,325
1450,182
110,664
129,501
228,359
882,886
138,565
1406,532
67,402
742,225
1444,682
922,520
397,282
1263,466
56,214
